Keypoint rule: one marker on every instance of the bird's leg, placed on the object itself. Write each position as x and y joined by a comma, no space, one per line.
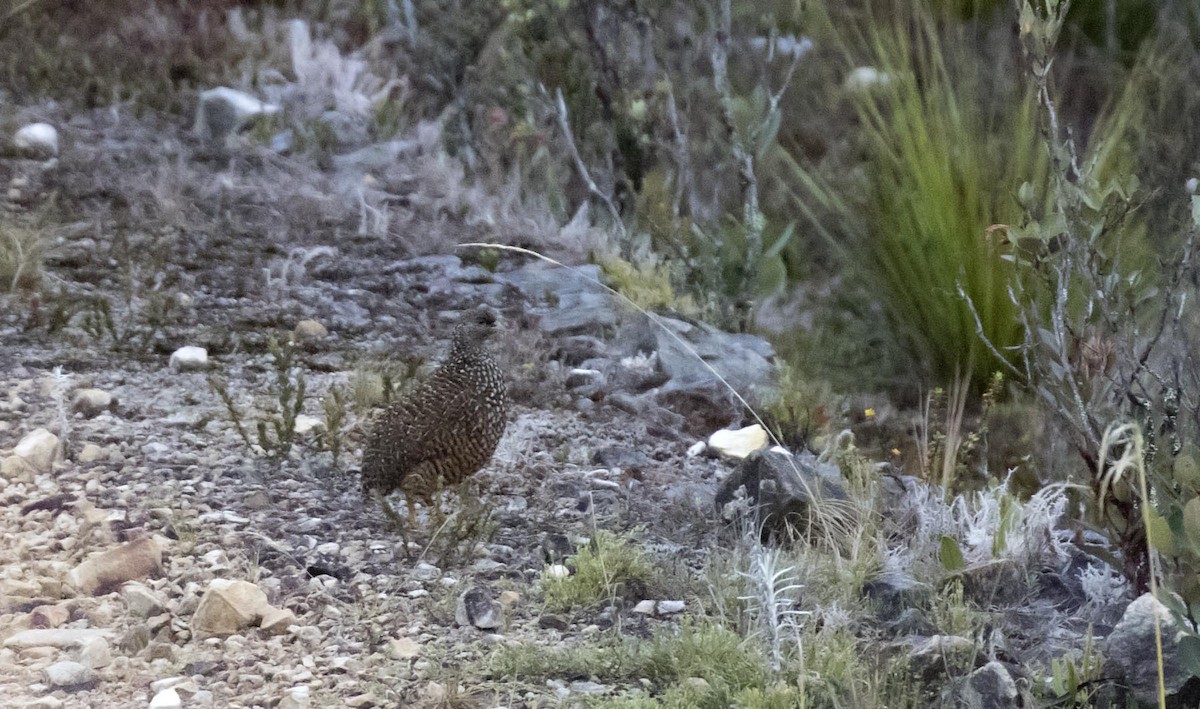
394,517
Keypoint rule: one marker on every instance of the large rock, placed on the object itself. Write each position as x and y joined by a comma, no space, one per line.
223,111
1132,653
92,402
738,444
229,606
991,687
39,140
477,608
39,448
106,571
780,488
702,364
64,638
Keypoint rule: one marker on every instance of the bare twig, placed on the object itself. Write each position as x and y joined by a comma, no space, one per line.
565,126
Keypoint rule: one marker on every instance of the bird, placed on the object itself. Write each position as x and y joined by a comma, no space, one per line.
446,430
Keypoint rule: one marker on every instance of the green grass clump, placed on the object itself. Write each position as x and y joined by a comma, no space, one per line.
648,285
21,252
607,568
947,149
707,651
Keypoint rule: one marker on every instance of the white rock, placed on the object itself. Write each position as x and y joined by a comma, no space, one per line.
229,606
40,138
696,449
141,601
557,571
57,637
305,423
167,699
403,648
166,683
1192,185
223,111
67,674
90,453
669,607
95,653
644,607
39,448
738,444
295,698
92,402
864,78
310,330
189,357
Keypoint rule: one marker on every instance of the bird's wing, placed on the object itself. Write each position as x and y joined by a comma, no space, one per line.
437,412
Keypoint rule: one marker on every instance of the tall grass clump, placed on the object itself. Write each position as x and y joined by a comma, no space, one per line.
947,144
21,252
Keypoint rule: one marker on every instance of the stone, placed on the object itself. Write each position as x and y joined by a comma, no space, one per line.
557,571
669,607
106,571
626,459
310,331
645,607
933,659
37,140
167,699
39,448
90,453
702,364
189,358
296,698
864,78
63,638
141,601
276,621
68,674
403,648
229,606
306,424
991,687
92,402
508,598
477,608
95,653
782,487
739,443
1131,652
49,616
222,112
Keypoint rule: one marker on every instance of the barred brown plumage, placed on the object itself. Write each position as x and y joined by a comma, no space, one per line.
447,429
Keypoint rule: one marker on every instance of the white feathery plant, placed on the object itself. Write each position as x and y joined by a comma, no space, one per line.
62,384
770,603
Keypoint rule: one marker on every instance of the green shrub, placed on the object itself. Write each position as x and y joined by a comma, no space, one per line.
606,568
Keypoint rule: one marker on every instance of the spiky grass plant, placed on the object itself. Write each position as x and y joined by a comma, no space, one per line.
21,253
947,148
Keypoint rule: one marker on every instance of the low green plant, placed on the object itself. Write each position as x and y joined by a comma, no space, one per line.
1075,680
608,567
648,285
276,430
456,534
333,406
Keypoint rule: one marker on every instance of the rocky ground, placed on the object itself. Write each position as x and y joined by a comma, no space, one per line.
162,561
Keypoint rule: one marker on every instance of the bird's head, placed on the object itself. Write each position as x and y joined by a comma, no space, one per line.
475,327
